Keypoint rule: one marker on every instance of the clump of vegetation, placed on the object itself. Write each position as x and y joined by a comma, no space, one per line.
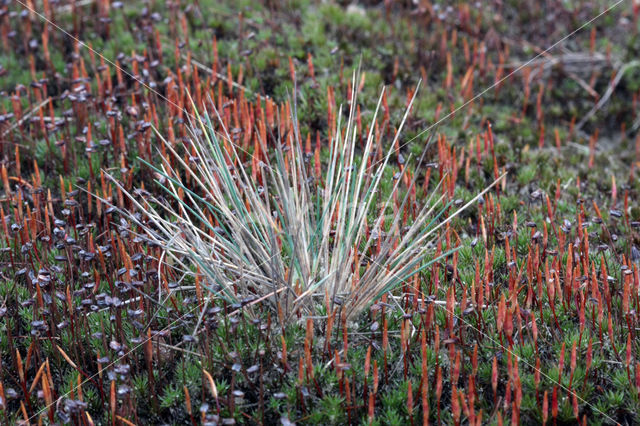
283,231
132,289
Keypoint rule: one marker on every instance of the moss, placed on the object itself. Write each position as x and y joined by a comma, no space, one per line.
275,31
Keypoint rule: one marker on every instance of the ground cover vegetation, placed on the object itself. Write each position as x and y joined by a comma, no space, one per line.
319,212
